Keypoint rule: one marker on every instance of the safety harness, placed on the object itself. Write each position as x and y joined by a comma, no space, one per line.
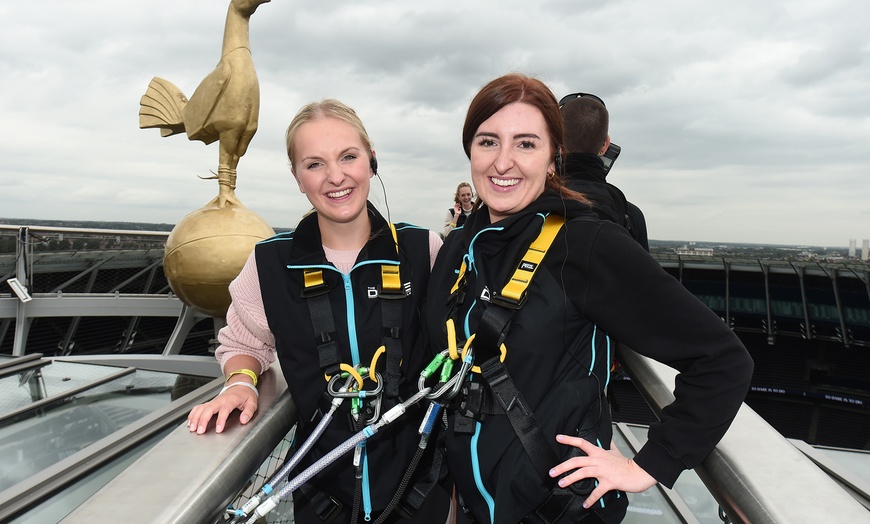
316,293
503,395
365,409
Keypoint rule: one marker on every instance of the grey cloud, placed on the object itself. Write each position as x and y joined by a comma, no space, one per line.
728,115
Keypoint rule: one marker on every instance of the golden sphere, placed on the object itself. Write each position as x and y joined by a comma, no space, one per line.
205,252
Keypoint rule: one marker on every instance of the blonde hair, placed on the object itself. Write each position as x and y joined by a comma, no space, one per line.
327,108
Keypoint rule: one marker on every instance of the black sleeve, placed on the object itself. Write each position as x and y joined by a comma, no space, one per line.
626,292
638,225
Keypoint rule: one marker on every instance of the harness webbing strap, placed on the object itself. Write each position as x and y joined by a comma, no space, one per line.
495,319
518,284
460,279
562,506
521,418
391,293
391,312
490,335
316,293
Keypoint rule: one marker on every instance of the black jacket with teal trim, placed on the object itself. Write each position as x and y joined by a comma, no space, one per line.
594,283
357,315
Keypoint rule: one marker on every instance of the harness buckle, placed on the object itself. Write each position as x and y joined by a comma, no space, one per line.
508,302
315,290
315,284
472,400
392,294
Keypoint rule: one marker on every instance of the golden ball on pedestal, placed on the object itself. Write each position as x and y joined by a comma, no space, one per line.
205,252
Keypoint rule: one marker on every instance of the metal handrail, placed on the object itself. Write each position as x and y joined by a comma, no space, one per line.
754,473
198,474
82,230
17,361
22,366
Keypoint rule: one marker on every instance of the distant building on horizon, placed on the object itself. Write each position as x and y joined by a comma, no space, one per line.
852,248
865,249
696,251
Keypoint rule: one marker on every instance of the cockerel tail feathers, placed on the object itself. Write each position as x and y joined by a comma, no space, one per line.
161,107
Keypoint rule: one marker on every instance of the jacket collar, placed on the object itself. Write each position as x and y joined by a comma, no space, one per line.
550,201
584,166
307,246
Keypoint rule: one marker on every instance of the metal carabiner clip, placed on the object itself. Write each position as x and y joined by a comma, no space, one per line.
450,388
362,393
436,364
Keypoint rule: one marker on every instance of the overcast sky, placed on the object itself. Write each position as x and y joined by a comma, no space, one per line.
739,121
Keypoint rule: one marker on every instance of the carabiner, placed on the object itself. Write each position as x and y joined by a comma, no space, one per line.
362,393
452,387
433,366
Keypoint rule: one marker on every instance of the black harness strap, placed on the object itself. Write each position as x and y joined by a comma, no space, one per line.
391,295
520,416
316,293
562,506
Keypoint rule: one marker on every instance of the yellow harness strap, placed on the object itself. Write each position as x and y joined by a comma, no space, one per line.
515,289
459,278
391,281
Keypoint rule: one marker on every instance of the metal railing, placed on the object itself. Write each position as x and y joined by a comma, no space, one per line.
755,474
189,478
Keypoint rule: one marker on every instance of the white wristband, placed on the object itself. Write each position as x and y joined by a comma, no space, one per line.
241,383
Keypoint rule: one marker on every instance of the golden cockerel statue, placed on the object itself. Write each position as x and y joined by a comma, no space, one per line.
225,107
208,247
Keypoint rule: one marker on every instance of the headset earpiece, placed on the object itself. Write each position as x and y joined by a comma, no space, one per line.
558,163
374,163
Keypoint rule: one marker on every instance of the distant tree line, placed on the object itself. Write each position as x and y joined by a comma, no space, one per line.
88,224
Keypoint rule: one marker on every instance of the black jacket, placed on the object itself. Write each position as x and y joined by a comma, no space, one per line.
594,283
358,323
584,172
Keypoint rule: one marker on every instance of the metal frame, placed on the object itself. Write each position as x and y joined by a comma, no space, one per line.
25,494
39,404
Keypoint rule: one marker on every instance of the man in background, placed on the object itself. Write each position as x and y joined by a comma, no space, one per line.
587,140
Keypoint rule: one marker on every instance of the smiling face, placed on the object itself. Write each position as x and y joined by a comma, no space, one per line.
511,154
465,197
331,165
